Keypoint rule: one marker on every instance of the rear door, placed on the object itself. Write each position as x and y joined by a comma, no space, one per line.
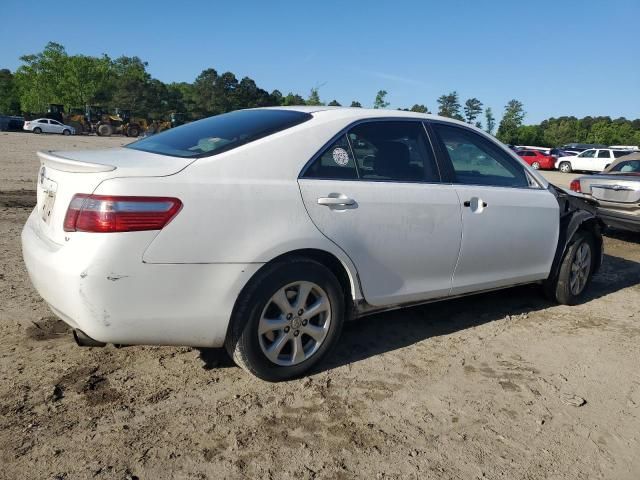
43,125
375,191
602,160
509,224
55,126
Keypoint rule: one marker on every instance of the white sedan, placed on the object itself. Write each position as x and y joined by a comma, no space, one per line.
263,230
48,125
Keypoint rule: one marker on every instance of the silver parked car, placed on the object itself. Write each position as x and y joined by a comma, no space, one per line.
48,125
617,190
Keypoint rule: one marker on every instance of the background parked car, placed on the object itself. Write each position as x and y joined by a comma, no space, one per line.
11,122
537,159
592,160
559,152
617,190
47,125
581,147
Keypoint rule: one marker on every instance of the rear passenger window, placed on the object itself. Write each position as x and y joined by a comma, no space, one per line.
335,163
603,154
393,151
477,161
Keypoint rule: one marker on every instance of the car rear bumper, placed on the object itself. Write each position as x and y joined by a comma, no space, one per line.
619,220
99,284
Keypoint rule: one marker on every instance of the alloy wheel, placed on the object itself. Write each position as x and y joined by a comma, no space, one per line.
294,323
580,268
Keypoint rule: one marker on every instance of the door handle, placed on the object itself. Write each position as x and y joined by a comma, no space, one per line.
468,204
340,201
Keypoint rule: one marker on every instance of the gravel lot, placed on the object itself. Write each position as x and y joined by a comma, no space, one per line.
502,385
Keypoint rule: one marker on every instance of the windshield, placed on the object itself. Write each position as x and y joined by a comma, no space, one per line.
219,133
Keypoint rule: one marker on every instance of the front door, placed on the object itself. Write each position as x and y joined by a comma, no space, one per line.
509,224
376,193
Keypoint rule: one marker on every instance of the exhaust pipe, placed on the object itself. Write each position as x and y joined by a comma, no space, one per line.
84,340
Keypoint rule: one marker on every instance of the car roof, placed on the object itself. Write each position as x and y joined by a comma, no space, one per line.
356,113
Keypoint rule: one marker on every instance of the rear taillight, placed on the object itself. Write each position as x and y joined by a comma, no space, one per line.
105,213
575,186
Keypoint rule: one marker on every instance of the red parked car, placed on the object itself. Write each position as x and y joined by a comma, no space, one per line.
537,159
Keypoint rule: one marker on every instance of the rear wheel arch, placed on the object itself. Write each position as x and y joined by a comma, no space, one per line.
348,279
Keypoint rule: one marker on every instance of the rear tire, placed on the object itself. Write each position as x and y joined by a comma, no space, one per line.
133,131
37,130
105,130
267,319
565,167
575,271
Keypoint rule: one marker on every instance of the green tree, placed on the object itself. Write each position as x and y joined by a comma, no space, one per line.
334,103
489,121
472,109
292,99
380,101
276,98
512,119
419,108
449,106
53,76
9,99
130,81
355,104
314,97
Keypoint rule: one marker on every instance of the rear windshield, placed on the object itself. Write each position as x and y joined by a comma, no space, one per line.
219,133
629,166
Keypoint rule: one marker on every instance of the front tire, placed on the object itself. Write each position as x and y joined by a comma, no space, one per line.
565,167
286,320
535,165
575,271
66,132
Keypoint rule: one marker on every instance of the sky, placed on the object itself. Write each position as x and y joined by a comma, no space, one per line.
557,57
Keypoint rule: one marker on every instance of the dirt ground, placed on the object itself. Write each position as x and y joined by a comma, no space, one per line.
503,385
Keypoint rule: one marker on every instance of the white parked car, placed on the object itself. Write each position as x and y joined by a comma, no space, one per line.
264,229
47,125
592,160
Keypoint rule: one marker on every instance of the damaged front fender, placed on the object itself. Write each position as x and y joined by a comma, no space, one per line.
576,212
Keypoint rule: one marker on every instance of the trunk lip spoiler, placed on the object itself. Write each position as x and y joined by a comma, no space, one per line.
64,164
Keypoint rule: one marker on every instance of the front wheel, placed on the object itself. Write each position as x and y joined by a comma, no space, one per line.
565,167
575,271
286,319
66,132
535,165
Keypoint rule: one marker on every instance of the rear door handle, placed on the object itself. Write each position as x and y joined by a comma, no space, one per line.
340,201
468,204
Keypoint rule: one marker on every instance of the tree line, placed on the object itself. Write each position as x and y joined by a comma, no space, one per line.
54,76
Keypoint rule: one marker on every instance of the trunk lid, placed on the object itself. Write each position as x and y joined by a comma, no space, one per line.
63,174
612,188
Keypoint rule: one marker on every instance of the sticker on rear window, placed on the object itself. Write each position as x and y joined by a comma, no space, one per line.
340,156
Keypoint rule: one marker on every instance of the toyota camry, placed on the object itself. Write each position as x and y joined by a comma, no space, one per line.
263,230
